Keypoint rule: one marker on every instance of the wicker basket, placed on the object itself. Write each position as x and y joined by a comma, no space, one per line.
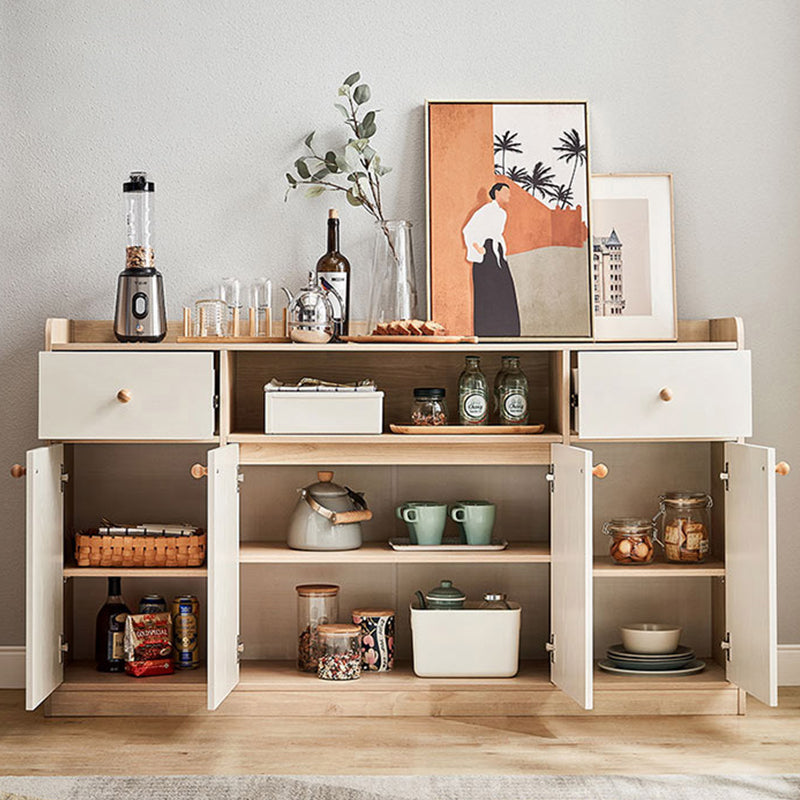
145,546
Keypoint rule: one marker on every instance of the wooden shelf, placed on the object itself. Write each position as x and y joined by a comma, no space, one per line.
381,553
277,689
395,449
71,571
605,568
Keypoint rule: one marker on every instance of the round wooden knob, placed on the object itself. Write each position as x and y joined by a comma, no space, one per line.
782,468
124,396
600,470
665,394
17,471
325,477
198,471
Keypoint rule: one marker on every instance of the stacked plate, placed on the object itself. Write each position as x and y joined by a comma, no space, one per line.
680,662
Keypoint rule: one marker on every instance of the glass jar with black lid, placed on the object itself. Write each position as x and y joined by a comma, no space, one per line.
430,406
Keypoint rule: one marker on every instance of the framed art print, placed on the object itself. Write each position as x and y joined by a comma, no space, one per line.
633,263
508,219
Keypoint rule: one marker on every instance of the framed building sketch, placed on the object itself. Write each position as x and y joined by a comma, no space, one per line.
508,219
633,262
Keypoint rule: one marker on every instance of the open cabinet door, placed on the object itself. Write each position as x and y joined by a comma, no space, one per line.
44,592
223,572
751,600
571,573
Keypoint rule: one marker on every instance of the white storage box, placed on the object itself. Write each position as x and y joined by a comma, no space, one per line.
323,411
466,642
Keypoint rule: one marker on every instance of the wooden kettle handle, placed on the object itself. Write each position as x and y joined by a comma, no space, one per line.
351,516
18,471
198,471
600,470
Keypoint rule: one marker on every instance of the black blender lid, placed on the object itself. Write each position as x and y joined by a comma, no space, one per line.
138,183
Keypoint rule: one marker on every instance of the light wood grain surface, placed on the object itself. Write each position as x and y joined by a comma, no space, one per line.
763,742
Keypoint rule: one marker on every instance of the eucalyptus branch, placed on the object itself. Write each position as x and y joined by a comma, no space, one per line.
356,159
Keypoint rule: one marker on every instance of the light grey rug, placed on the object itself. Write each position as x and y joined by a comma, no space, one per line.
426,787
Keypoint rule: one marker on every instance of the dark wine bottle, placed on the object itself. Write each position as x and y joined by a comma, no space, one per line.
109,651
333,272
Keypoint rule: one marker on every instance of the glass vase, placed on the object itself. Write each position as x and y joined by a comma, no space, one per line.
393,293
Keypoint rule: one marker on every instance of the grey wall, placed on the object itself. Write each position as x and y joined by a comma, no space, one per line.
214,98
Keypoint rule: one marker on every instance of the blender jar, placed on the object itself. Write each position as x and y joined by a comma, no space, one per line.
139,195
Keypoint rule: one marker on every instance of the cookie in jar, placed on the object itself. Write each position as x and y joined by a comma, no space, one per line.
685,525
632,540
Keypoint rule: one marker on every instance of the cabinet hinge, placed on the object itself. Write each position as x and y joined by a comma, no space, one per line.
64,478
216,401
551,477
239,649
63,648
239,481
724,476
550,646
725,644
573,399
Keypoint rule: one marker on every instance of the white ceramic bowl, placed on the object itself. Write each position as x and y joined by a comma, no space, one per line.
650,637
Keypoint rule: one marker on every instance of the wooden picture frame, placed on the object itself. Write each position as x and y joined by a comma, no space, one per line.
534,282
633,264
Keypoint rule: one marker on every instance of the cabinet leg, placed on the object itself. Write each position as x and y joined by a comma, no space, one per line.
742,709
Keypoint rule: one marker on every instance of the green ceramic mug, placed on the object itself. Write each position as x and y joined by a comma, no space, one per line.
476,520
425,521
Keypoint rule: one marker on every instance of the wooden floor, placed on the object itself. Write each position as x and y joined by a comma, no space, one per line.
764,741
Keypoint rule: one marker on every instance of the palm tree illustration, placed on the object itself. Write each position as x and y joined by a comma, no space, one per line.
571,149
506,144
516,174
561,194
540,179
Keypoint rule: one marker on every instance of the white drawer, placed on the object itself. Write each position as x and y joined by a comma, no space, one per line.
169,396
620,395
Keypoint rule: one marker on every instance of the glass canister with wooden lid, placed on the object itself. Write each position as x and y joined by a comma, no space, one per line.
339,652
685,521
317,604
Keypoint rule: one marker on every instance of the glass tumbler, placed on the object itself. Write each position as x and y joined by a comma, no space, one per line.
261,303
210,318
230,292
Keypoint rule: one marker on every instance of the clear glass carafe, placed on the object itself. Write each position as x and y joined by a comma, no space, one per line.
317,604
393,290
685,522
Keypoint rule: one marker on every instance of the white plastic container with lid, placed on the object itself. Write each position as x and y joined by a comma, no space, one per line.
321,410
468,642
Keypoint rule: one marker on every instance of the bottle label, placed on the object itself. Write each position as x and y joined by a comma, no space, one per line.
116,645
337,280
515,406
474,407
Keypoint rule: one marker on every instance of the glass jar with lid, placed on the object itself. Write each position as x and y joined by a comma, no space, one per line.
685,521
339,652
317,604
632,540
430,407
494,600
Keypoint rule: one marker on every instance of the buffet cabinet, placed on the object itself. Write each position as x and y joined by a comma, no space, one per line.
126,424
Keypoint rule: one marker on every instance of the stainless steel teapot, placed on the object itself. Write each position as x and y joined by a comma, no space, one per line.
327,517
310,313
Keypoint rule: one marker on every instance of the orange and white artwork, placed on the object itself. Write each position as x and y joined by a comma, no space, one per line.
508,249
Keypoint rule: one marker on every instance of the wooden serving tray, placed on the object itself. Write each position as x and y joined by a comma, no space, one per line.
411,339
433,430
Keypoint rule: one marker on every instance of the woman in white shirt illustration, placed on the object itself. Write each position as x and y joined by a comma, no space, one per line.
495,299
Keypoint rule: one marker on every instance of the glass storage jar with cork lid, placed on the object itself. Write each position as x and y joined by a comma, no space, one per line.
685,520
339,652
317,604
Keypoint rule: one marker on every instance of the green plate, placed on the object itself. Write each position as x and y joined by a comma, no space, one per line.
689,669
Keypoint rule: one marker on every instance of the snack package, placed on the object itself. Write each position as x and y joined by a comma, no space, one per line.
148,644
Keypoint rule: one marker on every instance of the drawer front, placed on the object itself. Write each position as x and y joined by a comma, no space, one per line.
126,396
655,395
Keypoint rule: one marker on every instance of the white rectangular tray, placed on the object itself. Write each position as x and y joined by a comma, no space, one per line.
450,543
